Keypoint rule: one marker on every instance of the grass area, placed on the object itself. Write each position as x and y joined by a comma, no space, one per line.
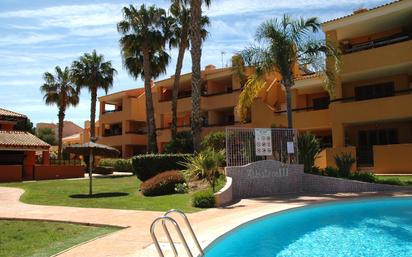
113,193
39,238
404,180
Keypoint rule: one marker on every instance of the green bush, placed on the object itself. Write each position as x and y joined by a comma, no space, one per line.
120,165
149,165
309,148
392,181
203,199
182,143
162,184
181,188
331,172
205,165
316,170
364,176
214,140
344,163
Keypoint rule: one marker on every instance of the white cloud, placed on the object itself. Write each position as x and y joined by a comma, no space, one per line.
29,39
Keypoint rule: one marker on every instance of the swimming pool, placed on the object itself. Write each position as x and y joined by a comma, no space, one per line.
379,227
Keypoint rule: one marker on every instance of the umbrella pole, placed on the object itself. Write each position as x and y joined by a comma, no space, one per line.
90,171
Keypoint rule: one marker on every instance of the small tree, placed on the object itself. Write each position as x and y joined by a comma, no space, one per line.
25,125
205,165
344,162
214,140
181,143
47,135
309,148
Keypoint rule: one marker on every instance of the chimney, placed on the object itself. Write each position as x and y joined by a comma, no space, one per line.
210,67
360,10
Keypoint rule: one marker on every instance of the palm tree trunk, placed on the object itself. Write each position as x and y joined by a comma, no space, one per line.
93,114
60,131
196,53
175,92
150,119
288,85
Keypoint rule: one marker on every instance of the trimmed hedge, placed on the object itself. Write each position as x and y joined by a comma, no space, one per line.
120,165
162,184
203,199
149,165
103,170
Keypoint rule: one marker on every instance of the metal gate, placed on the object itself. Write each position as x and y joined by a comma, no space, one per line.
247,145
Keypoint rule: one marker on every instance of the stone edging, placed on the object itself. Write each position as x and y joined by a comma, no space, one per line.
224,196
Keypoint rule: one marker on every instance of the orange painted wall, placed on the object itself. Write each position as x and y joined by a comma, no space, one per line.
28,164
395,159
42,172
11,173
326,158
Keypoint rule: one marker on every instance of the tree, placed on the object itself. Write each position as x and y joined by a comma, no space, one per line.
195,36
25,125
59,90
48,136
180,38
91,71
284,44
145,33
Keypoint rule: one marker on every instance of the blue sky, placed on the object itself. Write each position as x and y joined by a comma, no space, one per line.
35,36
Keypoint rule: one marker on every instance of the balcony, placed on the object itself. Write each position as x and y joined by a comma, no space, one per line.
305,118
398,54
380,42
348,110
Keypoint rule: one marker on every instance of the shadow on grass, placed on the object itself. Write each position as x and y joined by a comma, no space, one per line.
99,195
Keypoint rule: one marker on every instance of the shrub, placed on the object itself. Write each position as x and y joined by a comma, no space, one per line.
103,170
392,181
344,163
182,143
309,147
203,199
214,140
120,165
149,165
316,170
331,172
162,184
181,188
364,176
205,165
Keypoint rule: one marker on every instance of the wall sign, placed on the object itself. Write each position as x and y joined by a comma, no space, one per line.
263,142
290,148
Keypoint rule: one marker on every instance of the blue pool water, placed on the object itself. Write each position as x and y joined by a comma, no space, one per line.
380,227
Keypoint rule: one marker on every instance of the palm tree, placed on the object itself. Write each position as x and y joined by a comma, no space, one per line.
59,90
284,44
195,36
145,33
180,38
91,71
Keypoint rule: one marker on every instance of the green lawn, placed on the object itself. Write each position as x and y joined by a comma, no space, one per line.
113,193
39,238
400,180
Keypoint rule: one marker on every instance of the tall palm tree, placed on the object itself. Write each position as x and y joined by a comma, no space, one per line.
284,44
91,71
180,38
196,54
59,90
145,33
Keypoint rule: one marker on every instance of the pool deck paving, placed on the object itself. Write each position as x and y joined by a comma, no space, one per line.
135,239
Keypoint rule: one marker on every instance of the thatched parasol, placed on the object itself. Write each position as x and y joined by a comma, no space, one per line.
92,149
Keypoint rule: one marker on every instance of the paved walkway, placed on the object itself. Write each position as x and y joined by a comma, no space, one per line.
135,239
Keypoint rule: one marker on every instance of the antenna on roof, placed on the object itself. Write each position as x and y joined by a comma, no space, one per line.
222,54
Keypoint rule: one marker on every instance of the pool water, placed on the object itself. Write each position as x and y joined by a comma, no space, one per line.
380,227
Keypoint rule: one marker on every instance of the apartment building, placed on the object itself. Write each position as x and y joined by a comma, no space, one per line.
371,113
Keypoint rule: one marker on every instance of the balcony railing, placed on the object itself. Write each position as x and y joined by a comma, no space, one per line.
112,111
112,133
309,108
136,132
376,43
353,98
204,94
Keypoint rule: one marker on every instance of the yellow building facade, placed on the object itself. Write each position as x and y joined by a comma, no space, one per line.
370,114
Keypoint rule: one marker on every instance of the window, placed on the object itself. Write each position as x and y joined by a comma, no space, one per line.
320,103
374,91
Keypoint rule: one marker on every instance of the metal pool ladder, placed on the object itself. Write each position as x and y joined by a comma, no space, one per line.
165,218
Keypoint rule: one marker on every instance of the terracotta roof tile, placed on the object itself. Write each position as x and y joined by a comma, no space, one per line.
370,9
309,76
21,140
4,112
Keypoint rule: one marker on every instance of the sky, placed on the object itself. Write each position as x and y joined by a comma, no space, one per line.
37,35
